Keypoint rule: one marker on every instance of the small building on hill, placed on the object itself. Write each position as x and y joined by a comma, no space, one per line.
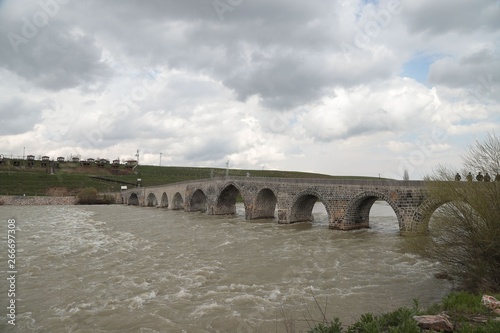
102,162
30,159
88,162
130,164
45,161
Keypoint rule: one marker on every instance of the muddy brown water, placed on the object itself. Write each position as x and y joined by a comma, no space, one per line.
130,269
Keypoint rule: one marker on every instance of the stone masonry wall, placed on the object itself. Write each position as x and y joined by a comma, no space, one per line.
36,201
347,202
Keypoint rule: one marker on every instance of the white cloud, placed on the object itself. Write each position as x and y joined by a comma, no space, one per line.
276,84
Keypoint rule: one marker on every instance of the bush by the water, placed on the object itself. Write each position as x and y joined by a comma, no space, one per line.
90,196
465,229
400,320
464,310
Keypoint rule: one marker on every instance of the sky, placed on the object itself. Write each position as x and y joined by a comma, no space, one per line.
347,87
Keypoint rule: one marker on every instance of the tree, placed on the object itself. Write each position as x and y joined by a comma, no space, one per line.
464,233
484,155
406,176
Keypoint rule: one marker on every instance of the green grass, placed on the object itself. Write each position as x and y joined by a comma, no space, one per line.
33,183
70,178
464,304
465,310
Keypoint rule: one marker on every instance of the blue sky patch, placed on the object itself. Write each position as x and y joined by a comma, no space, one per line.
418,67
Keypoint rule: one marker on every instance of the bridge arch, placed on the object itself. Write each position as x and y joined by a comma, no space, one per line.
303,204
133,199
264,204
164,200
358,209
422,216
151,200
177,201
198,202
225,203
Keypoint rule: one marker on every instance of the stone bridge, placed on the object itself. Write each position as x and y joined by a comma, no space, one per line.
347,202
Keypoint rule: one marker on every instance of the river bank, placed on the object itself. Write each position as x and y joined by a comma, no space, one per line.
22,200
11,200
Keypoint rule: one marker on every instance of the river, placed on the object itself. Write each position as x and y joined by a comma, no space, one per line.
137,269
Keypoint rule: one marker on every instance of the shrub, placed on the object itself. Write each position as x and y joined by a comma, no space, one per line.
400,320
333,327
465,230
464,233
90,196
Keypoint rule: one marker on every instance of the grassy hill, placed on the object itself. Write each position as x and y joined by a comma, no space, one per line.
69,178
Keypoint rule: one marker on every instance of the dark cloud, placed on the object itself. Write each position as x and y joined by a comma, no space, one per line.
211,149
477,71
254,48
449,16
376,121
359,122
191,36
54,56
280,81
19,116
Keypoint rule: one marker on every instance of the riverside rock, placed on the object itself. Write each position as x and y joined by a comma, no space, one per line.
437,323
491,303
